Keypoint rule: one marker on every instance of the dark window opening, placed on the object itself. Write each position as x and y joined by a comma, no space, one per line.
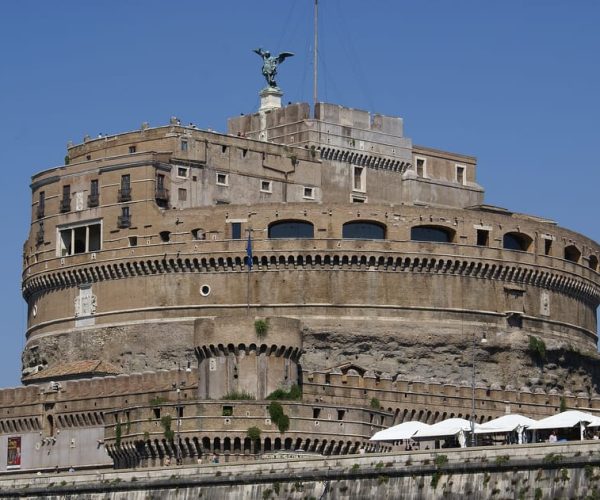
156,412
223,149
363,231
124,220
184,145
432,233
80,239
340,414
483,238
132,149
133,241
516,241
593,262
316,412
161,193
460,175
236,230
65,203
420,167
572,253
88,157
180,412
244,152
182,172
125,191
94,196
547,247
227,411
165,236
198,234
291,229
41,204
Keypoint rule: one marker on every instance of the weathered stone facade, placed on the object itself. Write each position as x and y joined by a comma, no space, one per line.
367,251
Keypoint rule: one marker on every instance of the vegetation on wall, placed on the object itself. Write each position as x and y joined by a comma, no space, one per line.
165,422
375,404
537,348
253,433
157,401
261,327
294,394
239,396
278,417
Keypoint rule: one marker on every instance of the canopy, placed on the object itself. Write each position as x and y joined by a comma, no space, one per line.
449,427
404,430
505,423
564,420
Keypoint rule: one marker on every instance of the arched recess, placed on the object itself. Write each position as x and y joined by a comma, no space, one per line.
593,262
516,241
439,234
291,229
572,253
363,230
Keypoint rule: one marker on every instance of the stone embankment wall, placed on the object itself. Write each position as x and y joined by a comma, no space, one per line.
544,471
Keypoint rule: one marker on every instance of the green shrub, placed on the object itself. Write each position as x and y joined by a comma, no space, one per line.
537,348
157,401
253,433
283,424
552,458
502,459
279,418
435,479
538,494
165,422
375,404
440,460
295,393
238,395
261,327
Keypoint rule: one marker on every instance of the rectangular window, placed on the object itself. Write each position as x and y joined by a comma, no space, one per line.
125,191
65,204
41,209
483,238
94,196
182,172
184,145
309,193
460,174
132,149
358,180
94,187
266,186
222,179
133,241
182,194
125,181
420,167
79,239
236,230
548,247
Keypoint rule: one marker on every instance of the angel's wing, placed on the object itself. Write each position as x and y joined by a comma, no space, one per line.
281,57
259,51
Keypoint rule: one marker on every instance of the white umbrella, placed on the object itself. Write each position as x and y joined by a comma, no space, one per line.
564,420
404,430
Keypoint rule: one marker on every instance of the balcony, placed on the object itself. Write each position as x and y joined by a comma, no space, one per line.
123,221
124,194
93,200
65,205
162,194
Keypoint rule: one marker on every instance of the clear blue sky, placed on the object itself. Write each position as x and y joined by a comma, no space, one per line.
515,83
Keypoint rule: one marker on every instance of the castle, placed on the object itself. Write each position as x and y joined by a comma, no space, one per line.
176,278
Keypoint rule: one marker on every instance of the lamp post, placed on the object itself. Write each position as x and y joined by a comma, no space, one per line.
473,437
180,384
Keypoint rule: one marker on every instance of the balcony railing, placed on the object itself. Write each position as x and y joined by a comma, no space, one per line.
124,194
65,205
162,194
93,200
124,221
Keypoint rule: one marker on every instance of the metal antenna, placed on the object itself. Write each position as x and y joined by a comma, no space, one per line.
315,56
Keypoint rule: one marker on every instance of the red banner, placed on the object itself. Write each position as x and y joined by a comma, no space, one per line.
13,459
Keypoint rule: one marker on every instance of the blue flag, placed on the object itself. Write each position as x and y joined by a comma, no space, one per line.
249,252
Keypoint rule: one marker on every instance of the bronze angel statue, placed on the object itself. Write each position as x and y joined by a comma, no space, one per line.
270,63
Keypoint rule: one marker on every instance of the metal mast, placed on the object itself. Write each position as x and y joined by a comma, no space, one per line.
315,55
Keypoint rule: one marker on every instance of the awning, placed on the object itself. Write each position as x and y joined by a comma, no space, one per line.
505,423
565,420
450,427
404,430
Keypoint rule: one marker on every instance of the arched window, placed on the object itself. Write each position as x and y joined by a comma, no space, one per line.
291,229
572,253
438,234
593,262
363,230
516,241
